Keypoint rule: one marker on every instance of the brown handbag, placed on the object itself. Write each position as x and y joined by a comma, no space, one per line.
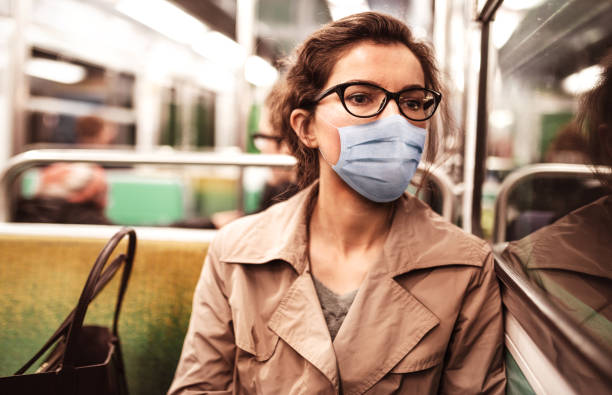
86,360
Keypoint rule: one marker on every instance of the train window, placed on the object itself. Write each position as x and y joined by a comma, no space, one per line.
187,117
171,124
204,120
546,58
548,167
61,90
284,24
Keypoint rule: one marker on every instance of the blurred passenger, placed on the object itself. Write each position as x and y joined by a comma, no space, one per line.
569,146
70,193
280,184
571,260
94,131
350,286
268,140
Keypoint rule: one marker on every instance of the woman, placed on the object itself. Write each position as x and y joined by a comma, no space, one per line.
350,286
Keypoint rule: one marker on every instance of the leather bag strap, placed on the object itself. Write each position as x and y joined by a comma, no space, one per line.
96,281
90,287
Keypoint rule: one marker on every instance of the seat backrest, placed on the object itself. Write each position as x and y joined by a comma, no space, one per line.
42,275
537,195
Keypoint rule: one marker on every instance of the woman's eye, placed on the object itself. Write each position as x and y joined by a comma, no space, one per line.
412,105
359,99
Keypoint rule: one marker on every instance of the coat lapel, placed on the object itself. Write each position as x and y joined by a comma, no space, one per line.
384,323
299,321
298,318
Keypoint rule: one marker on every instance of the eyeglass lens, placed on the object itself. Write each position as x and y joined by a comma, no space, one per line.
367,100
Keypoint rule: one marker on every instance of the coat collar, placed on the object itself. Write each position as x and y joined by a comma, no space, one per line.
299,321
279,233
384,315
418,239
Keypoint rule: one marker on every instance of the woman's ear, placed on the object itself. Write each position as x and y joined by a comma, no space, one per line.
301,126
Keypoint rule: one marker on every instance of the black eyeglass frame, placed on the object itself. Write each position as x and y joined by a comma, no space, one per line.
340,88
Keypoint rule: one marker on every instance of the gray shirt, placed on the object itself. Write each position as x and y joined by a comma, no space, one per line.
334,306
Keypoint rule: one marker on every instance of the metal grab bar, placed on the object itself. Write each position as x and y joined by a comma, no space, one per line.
449,190
525,173
544,321
29,159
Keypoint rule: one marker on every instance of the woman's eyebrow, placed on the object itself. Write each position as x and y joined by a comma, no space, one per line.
365,81
413,86
409,86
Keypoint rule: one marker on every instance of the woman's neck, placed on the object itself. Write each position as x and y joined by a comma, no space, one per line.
346,220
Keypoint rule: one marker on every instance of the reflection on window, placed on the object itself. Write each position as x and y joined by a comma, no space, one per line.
570,262
548,56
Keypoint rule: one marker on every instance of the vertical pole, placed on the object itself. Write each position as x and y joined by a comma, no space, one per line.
481,132
19,84
17,96
440,33
147,108
6,95
245,33
187,104
472,69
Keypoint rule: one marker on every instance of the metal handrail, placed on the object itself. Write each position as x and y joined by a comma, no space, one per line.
449,190
525,173
549,319
29,159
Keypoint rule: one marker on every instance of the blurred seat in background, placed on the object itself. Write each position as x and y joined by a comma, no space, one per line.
542,201
71,193
538,202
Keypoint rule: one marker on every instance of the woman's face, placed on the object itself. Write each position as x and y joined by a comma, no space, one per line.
391,66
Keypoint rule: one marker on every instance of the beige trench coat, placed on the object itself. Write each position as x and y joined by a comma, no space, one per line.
427,318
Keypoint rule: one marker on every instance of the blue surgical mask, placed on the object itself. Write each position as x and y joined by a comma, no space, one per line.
378,159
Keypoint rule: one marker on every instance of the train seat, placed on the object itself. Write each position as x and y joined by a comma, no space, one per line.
162,199
538,195
132,199
43,268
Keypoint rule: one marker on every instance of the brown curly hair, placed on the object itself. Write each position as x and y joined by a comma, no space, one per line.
594,113
312,64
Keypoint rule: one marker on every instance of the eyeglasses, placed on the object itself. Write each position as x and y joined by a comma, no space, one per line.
262,141
365,100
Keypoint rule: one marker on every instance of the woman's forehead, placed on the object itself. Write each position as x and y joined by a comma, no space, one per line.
392,66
